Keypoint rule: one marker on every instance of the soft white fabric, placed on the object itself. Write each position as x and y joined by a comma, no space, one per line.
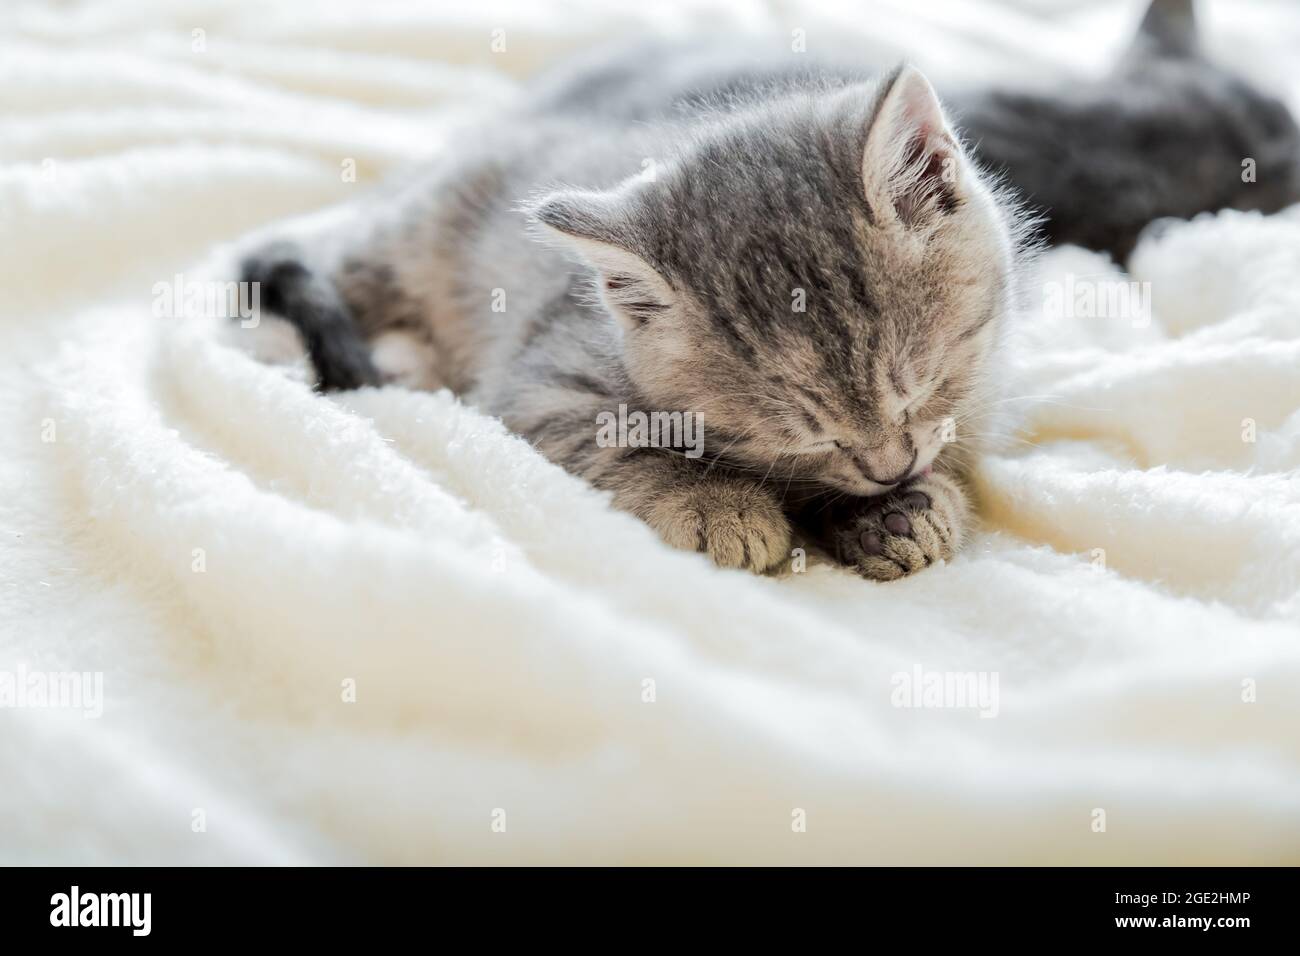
1138,572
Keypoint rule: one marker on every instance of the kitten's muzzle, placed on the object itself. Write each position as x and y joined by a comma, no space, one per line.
890,482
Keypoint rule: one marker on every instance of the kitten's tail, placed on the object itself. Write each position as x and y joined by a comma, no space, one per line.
314,307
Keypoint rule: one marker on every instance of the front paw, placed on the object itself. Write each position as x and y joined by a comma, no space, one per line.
905,531
735,522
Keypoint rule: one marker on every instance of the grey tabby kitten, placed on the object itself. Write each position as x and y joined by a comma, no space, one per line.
805,257
818,274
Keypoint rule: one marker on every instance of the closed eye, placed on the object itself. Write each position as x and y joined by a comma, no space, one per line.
942,397
922,399
821,448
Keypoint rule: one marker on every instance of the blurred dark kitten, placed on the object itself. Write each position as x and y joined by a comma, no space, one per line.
1167,134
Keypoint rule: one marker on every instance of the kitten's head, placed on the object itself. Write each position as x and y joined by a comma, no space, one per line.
821,278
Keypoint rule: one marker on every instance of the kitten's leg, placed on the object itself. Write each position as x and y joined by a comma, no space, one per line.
312,305
902,532
359,283
735,520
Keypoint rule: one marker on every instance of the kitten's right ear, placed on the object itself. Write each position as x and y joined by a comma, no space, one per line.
599,226
911,164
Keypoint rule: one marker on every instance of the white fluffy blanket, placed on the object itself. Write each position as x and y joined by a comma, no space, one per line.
380,628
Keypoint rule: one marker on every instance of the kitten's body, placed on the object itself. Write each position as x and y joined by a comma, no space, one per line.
803,256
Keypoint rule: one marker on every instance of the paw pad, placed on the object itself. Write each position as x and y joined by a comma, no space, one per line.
896,523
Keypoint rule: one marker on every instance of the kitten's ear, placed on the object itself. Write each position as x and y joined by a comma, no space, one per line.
585,216
600,227
911,164
1168,28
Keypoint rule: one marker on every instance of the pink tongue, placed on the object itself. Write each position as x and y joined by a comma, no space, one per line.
926,470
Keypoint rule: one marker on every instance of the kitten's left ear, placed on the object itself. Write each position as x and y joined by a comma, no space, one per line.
911,164
600,226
